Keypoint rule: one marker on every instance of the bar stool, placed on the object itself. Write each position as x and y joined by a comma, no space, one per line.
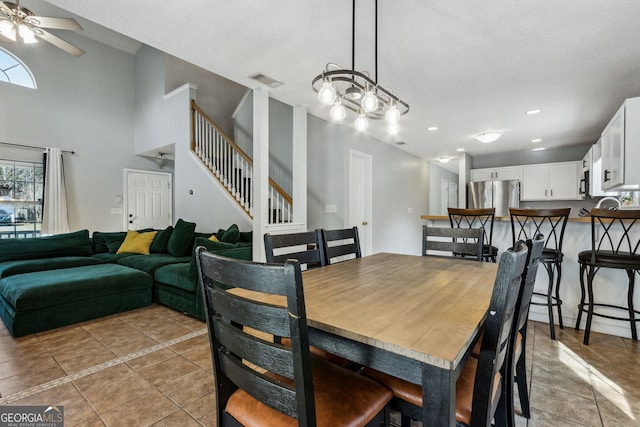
528,223
617,247
476,218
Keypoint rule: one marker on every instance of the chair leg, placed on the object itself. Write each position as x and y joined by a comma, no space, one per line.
405,420
583,268
552,329
558,266
587,328
521,380
632,313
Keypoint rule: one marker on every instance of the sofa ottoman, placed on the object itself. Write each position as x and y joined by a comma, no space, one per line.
37,301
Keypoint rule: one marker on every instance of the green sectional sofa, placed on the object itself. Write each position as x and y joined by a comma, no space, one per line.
53,281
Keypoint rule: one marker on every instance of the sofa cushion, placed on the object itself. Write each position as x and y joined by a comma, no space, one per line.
110,258
149,263
230,235
238,251
159,244
100,242
31,291
176,275
179,242
9,268
246,236
114,241
69,244
137,243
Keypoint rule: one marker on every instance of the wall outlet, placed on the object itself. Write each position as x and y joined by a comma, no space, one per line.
117,211
410,210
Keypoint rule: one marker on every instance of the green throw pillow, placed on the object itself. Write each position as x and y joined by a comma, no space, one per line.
159,244
178,244
231,235
114,241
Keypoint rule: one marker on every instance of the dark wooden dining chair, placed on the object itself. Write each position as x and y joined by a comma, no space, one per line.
480,388
528,223
343,244
306,247
263,383
615,243
474,218
460,242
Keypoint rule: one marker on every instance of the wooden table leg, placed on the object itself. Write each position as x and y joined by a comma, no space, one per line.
438,397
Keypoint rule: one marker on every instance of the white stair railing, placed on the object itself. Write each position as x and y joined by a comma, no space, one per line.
233,168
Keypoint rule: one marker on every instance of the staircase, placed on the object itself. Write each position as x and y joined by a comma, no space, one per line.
233,168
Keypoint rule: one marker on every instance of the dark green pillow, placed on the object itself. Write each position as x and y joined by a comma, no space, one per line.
160,242
211,246
231,235
178,244
114,241
246,236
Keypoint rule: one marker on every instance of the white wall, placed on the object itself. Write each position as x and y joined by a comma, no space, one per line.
436,175
400,182
84,104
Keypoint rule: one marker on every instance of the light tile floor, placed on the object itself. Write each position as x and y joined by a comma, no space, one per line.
152,367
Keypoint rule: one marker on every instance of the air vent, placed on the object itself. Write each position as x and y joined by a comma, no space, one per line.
265,80
401,143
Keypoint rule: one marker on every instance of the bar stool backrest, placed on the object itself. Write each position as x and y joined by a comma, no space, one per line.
474,218
614,228
528,223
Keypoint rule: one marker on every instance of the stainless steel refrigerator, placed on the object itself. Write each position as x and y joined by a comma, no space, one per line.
501,195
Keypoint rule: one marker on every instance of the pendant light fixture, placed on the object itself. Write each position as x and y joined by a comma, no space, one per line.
357,91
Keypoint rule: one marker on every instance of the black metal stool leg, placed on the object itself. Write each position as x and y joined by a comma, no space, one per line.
583,268
552,328
558,265
587,328
632,313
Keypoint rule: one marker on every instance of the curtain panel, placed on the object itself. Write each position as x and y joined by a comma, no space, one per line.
54,211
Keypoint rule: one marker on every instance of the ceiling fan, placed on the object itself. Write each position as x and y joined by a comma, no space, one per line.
17,22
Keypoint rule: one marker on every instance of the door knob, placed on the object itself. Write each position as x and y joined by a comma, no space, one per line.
365,223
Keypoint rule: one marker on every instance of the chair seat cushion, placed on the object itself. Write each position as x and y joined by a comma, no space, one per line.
611,260
412,393
342,398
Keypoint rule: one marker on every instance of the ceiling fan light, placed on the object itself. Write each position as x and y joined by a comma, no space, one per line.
338,112
8,30
487,137
25,32
327,93
369,102
361,123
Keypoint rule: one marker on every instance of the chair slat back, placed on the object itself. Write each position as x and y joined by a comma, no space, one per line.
306,247
528,223
474,218
341,243
495,342
528,281
467,241
614,228
246,304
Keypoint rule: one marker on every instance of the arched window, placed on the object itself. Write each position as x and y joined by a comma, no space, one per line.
14,71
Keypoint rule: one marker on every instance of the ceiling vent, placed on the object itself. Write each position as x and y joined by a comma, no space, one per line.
265,80
401,143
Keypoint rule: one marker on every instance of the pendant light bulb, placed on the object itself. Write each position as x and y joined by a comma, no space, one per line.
392,128
327,93
26,33
369,102
392,116
361,123
338,112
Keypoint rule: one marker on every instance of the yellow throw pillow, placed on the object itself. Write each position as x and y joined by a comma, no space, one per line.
137,243
214,238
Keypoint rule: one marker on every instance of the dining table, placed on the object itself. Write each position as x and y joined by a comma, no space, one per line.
414,317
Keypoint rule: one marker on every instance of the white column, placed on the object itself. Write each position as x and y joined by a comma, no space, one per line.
464,174
299,172
260,170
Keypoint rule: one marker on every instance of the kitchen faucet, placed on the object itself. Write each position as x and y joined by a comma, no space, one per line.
609,198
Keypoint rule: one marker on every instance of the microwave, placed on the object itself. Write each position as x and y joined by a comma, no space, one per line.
590,182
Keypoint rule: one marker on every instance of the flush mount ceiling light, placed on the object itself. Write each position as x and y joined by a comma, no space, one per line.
444,159
357,91
20,24
432,128
487,137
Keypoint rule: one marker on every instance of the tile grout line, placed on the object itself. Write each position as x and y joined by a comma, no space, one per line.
83,373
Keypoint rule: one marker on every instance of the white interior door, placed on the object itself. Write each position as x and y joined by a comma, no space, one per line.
149,199
360,197
453,195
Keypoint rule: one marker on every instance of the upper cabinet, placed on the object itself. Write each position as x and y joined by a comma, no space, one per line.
550,181
620,147
496,174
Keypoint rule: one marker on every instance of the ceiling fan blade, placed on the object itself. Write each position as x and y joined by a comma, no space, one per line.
58,42
5,9
55,23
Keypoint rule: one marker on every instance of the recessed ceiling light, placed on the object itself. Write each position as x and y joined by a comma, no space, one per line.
538,149
487,137
459,149
532,112
444,159
432,128
536,140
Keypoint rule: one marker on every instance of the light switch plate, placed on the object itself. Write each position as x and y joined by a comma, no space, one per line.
330,209
117,211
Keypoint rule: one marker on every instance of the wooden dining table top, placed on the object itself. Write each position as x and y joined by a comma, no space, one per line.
427,308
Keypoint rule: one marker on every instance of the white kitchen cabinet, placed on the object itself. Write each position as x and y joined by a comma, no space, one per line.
621,148
550,181
496,174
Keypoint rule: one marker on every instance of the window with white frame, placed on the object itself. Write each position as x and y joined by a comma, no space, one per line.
14,71
21,198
